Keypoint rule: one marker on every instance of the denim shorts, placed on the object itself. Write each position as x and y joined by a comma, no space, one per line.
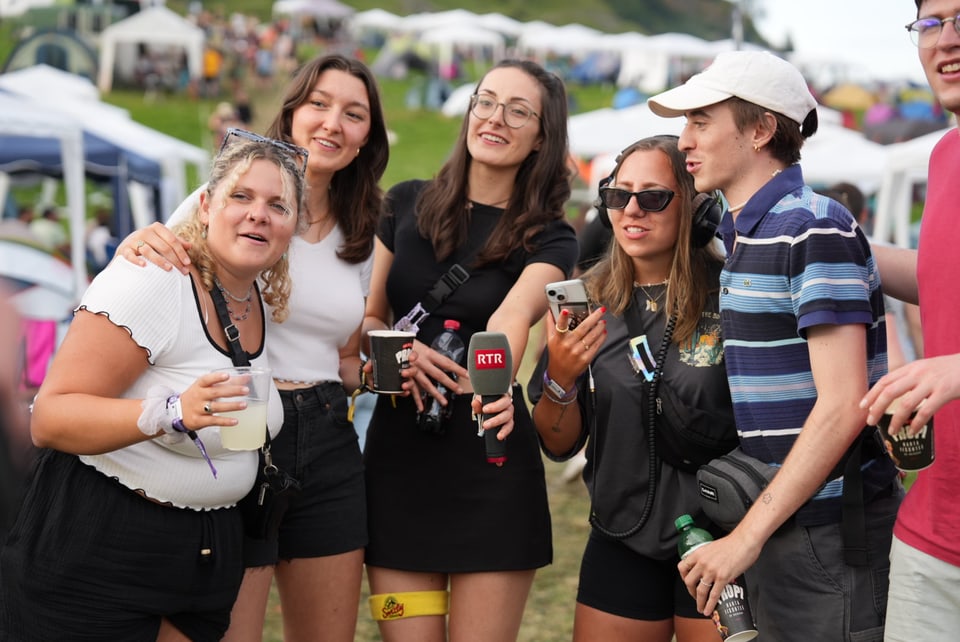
319,447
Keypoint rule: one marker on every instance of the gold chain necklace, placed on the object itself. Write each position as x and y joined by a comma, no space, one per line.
653,302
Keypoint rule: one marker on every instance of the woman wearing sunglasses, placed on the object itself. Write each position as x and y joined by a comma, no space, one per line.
130,528
655,320
332,108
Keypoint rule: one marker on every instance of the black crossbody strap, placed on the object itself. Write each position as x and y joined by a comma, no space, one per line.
452,279
237,353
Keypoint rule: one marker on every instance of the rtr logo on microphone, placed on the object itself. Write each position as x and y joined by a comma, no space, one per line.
491,359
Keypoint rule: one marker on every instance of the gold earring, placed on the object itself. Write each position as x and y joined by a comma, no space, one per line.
358,151
203,232
756,147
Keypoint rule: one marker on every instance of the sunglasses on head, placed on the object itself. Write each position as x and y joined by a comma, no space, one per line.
297,153
649,200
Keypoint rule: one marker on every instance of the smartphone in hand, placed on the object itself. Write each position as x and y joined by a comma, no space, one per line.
568,295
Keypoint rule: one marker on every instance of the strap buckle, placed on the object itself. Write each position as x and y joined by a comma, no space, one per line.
232,332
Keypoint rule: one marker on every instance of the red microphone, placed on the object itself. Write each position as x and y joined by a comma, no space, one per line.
490,365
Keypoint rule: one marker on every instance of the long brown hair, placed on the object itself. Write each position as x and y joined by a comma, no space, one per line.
691,280
540,191
355,195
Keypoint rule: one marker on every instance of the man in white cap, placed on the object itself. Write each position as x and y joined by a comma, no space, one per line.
803,326
924,604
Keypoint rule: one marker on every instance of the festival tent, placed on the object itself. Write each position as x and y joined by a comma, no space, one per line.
157,26
485,44
327,9
906,166
836,153
70,94
19,120
609,130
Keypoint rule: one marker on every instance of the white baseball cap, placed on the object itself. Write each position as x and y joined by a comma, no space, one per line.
757,77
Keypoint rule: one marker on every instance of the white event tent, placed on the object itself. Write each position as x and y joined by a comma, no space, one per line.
20,117
906,166
154,26
68,93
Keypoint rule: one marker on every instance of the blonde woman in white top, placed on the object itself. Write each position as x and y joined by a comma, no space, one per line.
130,529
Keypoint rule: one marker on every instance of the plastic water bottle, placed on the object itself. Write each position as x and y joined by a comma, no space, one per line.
449,344
732,614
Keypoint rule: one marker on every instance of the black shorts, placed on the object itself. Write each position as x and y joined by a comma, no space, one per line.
319,447
616,580
89,559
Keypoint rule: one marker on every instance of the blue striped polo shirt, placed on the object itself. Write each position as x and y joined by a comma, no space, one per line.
800,260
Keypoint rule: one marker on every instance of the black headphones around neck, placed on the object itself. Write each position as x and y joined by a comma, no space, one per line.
707,212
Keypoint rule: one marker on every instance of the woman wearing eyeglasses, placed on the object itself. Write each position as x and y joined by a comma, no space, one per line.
130,528
655,318
449,532
332,108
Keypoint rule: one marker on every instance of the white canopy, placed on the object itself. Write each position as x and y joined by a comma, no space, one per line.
486,45
374,20
20,117
608,130
836,153
46,85
543,39
157,26
330,9
906,166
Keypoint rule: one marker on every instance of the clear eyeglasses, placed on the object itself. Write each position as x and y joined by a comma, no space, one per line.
515,115
925,32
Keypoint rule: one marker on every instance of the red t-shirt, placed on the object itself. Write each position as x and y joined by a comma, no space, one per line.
927,520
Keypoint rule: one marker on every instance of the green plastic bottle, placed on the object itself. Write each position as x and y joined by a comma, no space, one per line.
691,537
732,614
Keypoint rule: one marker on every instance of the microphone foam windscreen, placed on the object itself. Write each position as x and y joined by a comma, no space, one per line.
490,363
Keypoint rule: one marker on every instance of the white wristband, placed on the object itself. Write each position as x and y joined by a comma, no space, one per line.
155,420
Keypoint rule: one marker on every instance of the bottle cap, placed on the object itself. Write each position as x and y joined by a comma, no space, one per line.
451,324
682,522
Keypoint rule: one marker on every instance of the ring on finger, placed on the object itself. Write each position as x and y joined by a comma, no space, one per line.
705,583
586,346
140,244
206,408
559,329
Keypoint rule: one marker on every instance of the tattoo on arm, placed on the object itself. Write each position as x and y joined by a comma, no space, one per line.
556,424
766,498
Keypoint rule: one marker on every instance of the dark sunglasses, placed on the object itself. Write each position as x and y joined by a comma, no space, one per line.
649,200
297,153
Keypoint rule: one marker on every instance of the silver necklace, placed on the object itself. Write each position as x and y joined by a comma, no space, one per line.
653,302
245,299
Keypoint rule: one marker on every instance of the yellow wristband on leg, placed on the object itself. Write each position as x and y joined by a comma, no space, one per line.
394,606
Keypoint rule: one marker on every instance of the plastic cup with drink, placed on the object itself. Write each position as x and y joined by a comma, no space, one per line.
251,429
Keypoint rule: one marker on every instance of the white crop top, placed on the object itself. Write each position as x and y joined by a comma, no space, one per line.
163,316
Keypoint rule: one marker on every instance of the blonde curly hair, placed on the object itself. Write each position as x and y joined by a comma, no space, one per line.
230,164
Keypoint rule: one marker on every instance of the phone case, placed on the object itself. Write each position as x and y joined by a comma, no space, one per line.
568,295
